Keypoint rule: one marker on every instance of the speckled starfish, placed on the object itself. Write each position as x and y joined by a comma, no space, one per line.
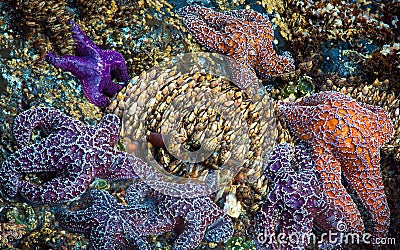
295,203
94,67
244,35
198,217
78,154
345,136
110,225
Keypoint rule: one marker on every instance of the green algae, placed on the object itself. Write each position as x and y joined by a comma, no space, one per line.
23,214
239,243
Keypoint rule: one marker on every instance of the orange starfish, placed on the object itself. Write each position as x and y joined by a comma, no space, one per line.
345,135
244,35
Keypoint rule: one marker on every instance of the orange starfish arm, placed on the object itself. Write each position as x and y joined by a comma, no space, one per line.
329,171
273,64
384,126
299,119
210,17
253,16
208,27
369,186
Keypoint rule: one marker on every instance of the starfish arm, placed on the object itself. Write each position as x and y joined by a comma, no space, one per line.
221,229
137,213
38,157
242,75
117,65
164,182
78,221
111,88
9,180
322,98
108,235
92,88
266,223
123,166
193,233
84,46
210,17
274,65
279,161
207,35
330,219
329,173
303,158
134,238
78,66
253,17
102,200
58,190
108,131
369,186
296,231
301,120
50,119
159,222
137,192
383,124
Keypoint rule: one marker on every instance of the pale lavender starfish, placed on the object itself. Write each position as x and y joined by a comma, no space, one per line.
94,67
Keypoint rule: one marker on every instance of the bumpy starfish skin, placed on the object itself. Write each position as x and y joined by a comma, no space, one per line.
244,35
345,135
110,225
94,67
295,202
196,214
78,154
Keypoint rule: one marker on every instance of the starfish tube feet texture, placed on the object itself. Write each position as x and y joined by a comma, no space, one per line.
197,214
345,137
110,225
295,203
94,67
246,36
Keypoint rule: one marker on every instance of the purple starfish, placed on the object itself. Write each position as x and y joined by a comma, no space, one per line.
78,154
198,217
295,202
94,67
110,225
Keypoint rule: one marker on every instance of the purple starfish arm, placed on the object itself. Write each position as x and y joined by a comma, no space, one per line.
197,215
87,71
49,119
126,166
34,158
94,67
110,225
84,46
295,203
76,154
67,187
